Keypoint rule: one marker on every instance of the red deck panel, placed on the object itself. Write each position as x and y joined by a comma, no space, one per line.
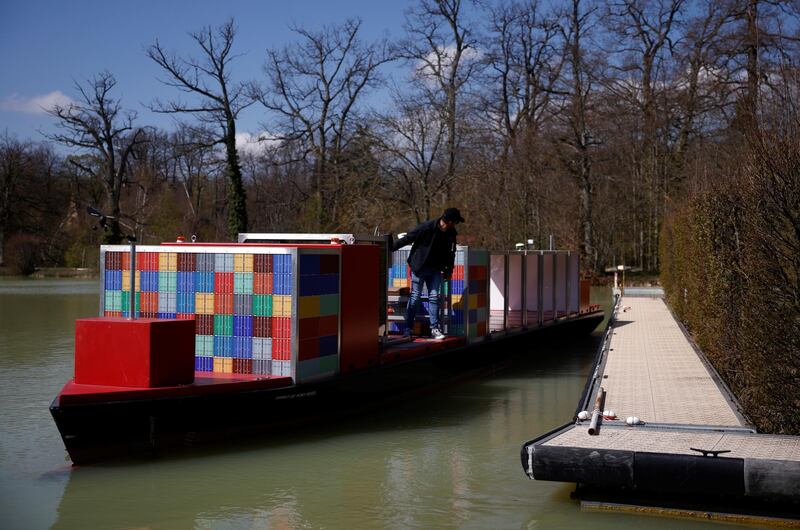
205,383
419,348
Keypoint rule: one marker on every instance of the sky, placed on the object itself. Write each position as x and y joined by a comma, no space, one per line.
47,46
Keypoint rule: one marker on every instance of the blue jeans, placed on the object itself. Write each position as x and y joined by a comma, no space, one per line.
433,279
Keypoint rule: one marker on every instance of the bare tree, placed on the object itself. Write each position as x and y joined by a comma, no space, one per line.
442,48
702,82
762,41
105,137
219,102
578,140
524,62
412,142
645,32
195,166
14,167
313,87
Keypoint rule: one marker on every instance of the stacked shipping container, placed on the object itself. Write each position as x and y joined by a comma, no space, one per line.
318,315
242,303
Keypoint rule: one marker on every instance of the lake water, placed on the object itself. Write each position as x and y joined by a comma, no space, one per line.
448,460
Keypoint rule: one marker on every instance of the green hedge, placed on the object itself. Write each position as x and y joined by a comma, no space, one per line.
731,271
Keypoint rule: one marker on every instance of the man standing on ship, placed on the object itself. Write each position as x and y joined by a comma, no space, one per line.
433,252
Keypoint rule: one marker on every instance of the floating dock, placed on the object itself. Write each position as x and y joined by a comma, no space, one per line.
690,440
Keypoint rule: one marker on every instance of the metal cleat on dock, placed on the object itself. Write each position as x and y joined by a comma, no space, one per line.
711,453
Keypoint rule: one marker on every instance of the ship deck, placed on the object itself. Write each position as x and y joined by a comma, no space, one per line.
210,383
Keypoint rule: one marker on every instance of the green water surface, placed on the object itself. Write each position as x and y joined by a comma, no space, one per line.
448,460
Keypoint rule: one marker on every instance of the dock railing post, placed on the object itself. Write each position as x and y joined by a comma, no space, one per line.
568,290
524,273
540,288
554,277
506,268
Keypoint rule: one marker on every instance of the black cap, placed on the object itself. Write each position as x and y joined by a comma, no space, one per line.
452,215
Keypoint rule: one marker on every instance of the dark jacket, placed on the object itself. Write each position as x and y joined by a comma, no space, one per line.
422,239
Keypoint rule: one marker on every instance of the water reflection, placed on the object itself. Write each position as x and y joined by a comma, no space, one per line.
447,460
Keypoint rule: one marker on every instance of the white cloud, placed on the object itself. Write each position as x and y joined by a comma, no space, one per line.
254,144
443,59
34,104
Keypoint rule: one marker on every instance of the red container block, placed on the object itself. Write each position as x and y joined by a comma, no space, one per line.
477,272
113,261
149,302
143,353
262,263
243,366
281,327
262,282
481,300
204,324
585,294
223,282
223,303
308,327
328,325
186,262
147,261
262,326
281,349
308,349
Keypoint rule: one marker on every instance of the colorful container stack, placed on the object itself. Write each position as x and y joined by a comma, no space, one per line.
478,290
456,292
469,294
318,315
399,273
242,303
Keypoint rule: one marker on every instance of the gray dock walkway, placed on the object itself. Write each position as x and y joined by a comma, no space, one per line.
650,370
654,373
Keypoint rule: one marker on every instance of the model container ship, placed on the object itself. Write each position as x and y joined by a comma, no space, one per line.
282,329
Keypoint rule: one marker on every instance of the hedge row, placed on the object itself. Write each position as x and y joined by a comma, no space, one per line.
731,271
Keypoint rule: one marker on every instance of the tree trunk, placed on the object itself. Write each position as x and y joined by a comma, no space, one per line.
237,196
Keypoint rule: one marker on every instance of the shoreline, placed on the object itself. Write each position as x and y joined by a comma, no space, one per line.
75,273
